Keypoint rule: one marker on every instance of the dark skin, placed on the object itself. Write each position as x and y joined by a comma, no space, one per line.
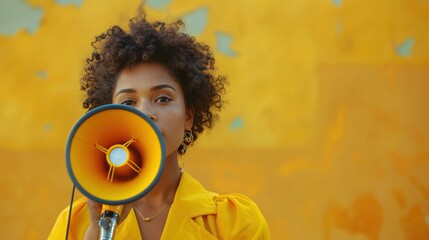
188,103
151,89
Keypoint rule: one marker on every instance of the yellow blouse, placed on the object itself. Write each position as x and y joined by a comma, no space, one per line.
195,214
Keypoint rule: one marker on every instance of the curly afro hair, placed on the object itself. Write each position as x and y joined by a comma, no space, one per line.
190,62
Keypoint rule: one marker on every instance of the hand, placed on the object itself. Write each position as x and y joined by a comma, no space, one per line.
95,209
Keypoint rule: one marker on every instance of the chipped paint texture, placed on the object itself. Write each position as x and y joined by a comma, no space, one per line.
325,126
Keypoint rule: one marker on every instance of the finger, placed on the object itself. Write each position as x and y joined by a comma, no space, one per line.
94,210
125,212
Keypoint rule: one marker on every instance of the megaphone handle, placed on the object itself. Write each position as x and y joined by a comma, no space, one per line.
108,222
109,219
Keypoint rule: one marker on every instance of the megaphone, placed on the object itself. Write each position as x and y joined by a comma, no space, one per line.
114,155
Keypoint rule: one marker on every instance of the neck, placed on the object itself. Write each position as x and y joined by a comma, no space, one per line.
165,189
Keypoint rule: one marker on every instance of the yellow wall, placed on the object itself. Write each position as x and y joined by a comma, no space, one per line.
326,125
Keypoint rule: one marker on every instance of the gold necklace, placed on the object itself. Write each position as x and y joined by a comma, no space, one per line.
148,219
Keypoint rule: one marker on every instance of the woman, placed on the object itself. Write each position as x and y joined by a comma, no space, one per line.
168,76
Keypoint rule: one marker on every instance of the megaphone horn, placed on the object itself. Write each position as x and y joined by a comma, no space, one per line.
115,154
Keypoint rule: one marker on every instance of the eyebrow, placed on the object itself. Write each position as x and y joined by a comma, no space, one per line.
159,87
152,89
127,90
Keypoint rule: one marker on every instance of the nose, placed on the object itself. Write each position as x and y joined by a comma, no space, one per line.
146,109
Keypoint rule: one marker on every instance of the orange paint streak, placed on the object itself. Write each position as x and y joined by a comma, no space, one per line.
399,197
364,216
416,222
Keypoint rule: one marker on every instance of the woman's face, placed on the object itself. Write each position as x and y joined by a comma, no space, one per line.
150,88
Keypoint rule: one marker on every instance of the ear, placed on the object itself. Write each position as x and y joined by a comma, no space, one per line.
189,121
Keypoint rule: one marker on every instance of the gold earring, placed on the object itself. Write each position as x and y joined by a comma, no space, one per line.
188,139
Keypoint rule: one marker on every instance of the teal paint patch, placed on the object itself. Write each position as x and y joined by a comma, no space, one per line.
237,123
16,15
337,3
158,4
47,127
196,21
78,3
339,28
223,44
405,49
42,74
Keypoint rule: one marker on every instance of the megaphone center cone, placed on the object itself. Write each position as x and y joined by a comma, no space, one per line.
117,155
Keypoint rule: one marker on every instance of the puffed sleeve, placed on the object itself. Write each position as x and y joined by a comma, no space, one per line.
78,225
238,217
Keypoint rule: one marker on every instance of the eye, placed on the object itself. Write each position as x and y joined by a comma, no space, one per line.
163,99
128,102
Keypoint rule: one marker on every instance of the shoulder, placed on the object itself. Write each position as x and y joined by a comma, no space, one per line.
225,216
239,207
240,217
79,215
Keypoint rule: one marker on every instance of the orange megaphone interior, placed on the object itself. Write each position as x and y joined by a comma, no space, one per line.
90,168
